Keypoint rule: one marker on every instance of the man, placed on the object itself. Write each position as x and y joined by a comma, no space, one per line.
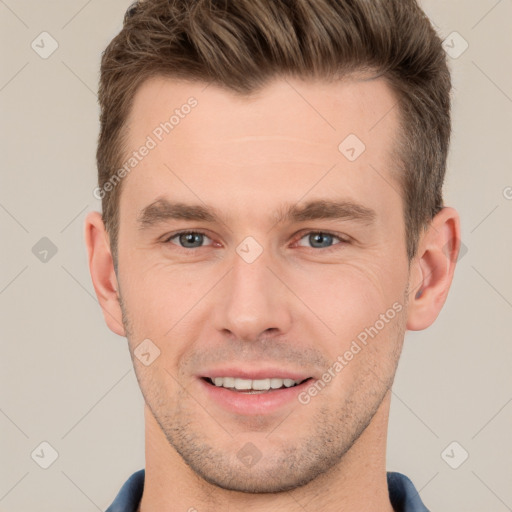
271,181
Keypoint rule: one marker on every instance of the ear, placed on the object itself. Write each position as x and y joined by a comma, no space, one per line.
101,267
432,269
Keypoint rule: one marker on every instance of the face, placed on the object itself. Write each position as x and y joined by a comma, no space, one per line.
256,244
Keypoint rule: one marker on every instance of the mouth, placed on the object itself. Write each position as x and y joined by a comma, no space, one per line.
254,386
251,391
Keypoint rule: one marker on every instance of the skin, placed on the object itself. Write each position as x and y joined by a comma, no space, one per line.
297,306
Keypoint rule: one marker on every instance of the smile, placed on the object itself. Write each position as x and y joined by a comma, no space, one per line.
253,386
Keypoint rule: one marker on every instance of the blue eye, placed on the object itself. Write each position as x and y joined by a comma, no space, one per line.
320,239
312,239
189,239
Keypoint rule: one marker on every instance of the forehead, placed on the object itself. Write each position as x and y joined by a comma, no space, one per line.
289,134
320,111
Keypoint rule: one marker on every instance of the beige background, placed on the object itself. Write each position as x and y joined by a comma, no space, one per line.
67,380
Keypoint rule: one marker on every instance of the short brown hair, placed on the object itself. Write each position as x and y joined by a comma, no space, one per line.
241,44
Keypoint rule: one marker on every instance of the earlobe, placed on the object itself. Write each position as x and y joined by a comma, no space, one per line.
101,267
432,269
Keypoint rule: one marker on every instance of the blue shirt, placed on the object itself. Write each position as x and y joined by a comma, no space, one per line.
403,495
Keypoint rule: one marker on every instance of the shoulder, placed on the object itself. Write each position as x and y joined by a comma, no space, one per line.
403,494
128,498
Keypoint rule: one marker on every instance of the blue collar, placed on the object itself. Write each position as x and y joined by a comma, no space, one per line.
403,495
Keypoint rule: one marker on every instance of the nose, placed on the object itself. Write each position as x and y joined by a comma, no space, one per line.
251,301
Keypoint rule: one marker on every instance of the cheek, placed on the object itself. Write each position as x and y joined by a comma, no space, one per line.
347,295
157,295
350,293
349,299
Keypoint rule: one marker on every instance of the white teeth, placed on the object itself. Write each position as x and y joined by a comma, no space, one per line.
276,383
243,384
263,384
228,382
257,385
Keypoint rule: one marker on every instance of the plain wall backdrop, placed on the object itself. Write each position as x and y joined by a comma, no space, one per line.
66,380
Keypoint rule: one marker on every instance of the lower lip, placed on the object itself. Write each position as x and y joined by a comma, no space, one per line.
256,403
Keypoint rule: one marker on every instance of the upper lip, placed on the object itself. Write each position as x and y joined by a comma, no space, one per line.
255,373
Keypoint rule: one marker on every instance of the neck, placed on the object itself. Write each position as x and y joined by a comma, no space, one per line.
357,483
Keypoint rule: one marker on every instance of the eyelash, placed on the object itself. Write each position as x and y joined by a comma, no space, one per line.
342,241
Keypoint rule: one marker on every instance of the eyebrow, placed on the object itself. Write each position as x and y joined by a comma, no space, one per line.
163,210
